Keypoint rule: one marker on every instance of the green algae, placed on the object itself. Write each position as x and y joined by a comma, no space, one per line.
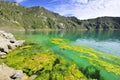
74,74
42,61
99,60
34,59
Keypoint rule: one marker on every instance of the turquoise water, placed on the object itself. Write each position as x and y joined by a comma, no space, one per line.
94,42
105,41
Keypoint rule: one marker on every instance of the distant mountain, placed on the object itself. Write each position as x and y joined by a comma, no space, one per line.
102,23
16,16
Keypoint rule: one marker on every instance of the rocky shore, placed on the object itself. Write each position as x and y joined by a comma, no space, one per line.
7,73
8,43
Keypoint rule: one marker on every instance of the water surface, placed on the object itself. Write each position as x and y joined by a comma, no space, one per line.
105,41
84,48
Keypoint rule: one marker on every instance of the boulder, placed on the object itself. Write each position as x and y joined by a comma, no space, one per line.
2,55
7,36
8,42
19,43
8,73
4,46
4,77
18,75
32,77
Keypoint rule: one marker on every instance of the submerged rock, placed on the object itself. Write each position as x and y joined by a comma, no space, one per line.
32,77
8,42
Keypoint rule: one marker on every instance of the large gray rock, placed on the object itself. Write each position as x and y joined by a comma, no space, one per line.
8,42
7,36
18,75
2,55
4,45
4,77
32,77
19,43
8,73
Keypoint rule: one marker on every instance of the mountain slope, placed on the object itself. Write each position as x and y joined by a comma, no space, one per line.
102,23
12,14
17,16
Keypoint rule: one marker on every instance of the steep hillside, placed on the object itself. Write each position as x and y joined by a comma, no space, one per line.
102,23
13,14
16,16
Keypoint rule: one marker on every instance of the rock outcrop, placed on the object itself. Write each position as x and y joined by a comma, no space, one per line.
8,43
7,73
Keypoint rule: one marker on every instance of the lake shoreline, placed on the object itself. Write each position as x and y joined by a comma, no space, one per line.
26,71
8,29
49,54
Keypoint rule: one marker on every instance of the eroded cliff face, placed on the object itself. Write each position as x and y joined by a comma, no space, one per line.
8,43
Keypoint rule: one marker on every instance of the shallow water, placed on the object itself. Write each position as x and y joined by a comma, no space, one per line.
83,48
105,41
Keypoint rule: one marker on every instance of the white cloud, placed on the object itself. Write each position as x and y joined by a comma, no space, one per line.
80,1
19,1
85,9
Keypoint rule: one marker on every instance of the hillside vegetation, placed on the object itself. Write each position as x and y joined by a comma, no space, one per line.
102,23
14,15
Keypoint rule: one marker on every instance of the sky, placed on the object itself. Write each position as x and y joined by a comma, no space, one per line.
82,9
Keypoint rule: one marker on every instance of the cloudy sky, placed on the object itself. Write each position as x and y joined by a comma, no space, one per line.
82,9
